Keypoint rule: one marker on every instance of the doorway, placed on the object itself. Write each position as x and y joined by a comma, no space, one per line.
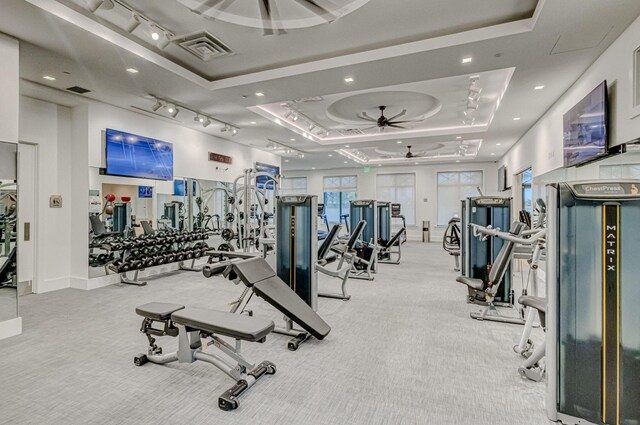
27,178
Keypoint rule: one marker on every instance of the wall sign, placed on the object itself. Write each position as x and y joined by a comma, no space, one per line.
55,201
218,157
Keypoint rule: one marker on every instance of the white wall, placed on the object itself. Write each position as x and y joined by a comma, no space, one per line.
70,148
541,146
426,187
49,126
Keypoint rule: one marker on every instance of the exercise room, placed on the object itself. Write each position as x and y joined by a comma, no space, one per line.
285,212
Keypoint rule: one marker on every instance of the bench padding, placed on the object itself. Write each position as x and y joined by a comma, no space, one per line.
158,311
477,284
257,273
236,326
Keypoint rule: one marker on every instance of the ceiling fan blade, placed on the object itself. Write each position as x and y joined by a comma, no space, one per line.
207,5
275,14
365,116
265,14
403,122
394,125
404,111
322,11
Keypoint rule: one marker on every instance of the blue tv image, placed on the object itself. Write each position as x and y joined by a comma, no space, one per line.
585,128
180,187
266,168
145,191
130,155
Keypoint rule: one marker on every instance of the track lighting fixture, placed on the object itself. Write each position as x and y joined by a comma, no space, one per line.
234,131
295,118
225,128
174,109
199,118
206,123
93,5
156,106
134,22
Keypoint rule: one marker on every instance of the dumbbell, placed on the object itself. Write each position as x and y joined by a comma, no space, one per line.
226,247
179,256
229,217
227,234
188,254
170,258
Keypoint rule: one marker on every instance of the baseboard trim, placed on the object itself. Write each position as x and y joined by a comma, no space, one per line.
53,285
11,328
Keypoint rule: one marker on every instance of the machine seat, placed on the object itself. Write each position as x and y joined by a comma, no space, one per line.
538,303
477,284
236,326
395,239
158,311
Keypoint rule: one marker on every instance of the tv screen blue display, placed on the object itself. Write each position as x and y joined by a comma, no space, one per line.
180,187
145,191
585,128
130,155
266,168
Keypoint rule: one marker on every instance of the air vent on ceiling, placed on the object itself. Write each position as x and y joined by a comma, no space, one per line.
78,89
309,99
203,45
351,132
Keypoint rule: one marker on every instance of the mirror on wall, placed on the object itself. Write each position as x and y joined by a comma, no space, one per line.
8,231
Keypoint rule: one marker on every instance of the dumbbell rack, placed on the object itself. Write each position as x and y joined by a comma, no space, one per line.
137,254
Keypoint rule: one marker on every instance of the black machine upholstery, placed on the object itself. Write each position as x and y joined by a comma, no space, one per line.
395,240
500,263
257,273
236,326
330,239
97,226
146,226
158,311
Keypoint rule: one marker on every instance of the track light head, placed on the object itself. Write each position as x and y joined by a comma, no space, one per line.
199,118
173,110
234,131
206,123
134,22
295,118
93,5
156,105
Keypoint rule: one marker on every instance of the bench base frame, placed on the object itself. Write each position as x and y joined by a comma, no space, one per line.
194,345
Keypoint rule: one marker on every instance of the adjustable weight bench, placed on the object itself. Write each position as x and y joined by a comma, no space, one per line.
260,278
386,252
191,326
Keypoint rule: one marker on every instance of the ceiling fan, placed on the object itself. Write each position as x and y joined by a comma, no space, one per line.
411,155
383,121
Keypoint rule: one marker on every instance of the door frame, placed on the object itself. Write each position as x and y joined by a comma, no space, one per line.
34,230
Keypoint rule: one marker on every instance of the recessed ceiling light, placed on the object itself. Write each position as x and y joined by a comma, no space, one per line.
457,160
313,168
132,70
492,154
458,137
348,80
49,77
293,140
253,123
516,119
330,154
467,60
346,162
399,141
498,144
286,160
346,146
259,94
538,87
416,163
379,165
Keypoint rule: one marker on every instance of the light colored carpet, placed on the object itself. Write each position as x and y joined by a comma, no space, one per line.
402,351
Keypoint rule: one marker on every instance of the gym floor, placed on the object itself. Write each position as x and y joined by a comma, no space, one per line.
402,351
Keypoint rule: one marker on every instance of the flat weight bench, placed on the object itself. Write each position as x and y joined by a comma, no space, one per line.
191,325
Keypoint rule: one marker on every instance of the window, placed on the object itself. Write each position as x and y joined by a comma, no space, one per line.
339,191
526,191
452,188
399,189
293,186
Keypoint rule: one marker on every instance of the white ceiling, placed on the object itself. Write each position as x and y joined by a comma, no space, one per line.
382,46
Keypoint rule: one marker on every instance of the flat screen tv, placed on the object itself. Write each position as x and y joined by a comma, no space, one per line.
585,128
130,155
180,187
266,168
145,191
